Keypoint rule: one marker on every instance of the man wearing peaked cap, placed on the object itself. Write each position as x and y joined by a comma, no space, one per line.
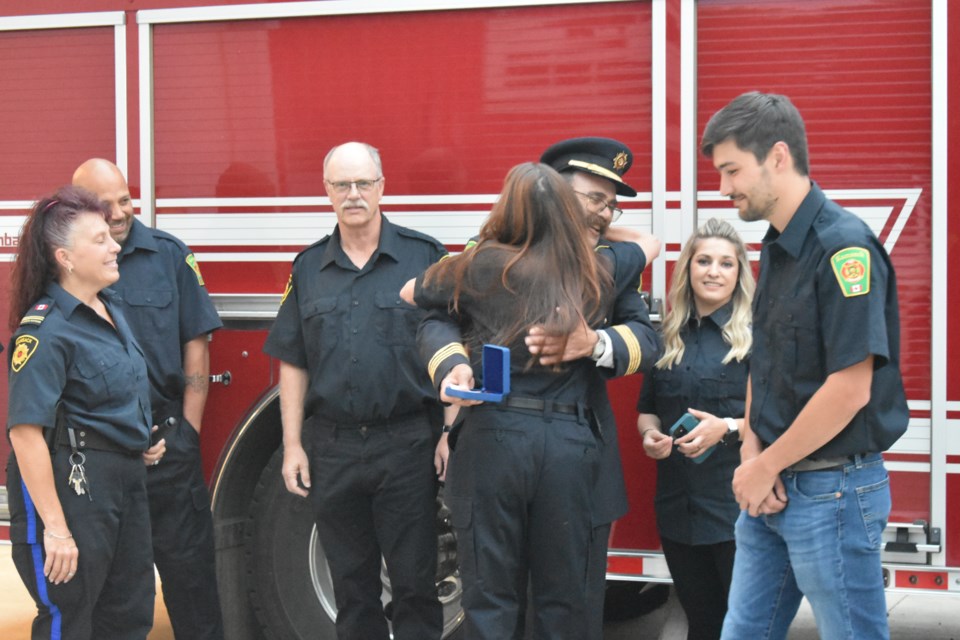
604,157
595,168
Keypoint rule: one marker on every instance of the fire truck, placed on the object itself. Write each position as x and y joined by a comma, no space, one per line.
220,115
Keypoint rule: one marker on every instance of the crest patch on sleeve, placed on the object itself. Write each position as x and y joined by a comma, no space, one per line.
852,268
287,290
192,262
23,348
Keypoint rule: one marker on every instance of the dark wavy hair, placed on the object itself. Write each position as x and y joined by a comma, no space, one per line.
48,227
755,122
550,266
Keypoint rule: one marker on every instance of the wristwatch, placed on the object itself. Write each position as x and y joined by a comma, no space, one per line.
733,432
446,428
601,347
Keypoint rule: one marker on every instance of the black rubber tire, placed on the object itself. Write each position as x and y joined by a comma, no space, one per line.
287,576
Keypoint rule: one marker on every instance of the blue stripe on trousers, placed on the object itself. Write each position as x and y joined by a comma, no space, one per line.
37,551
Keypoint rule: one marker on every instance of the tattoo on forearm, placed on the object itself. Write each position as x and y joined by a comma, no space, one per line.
197,382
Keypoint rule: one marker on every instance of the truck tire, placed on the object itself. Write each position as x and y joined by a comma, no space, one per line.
288,579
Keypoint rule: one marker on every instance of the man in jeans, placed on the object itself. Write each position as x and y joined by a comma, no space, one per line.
825,396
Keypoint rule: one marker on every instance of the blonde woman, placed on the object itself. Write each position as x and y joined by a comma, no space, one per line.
703,372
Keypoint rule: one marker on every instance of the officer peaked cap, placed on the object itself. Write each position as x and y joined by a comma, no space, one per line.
604,157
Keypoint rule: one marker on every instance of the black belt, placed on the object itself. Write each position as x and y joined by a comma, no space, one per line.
89,439
826,464
533,404
366,424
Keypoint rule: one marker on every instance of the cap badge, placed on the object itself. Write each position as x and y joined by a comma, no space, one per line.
620,161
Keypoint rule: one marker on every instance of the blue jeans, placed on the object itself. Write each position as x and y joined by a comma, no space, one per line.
826,546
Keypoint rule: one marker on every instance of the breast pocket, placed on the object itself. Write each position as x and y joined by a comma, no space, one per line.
796,338
396,320
667,383
723,393
152,311
321,330
103,376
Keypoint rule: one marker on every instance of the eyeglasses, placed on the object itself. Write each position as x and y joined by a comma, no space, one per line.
344,186
599,204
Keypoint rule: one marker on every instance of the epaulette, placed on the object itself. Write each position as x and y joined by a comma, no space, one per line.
314,245
37,313
413,234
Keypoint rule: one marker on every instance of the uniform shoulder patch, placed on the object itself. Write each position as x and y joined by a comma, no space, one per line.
287,290
24,347
192,263
852,268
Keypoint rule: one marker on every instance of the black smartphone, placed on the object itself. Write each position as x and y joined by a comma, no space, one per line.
682,427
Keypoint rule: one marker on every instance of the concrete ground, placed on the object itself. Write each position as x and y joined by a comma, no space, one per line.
17,608
912,617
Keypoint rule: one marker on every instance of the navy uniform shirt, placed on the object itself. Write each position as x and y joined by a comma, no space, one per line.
486,308
64,352
351,331
826,300
167,305
635,348
694,502
635,342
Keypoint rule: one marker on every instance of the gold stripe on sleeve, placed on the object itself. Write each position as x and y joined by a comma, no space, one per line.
633,347
452,349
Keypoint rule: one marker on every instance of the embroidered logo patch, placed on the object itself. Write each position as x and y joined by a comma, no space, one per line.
852,268
286,291
23,348
192,261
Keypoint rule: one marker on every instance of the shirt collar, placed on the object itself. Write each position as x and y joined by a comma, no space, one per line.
139,238
389,245
719,317
67,303
791,239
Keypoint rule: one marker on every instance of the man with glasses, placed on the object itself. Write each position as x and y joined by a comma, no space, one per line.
595,168
357,408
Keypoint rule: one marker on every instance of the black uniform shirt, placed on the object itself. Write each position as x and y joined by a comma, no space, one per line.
694,502
64,352
826,300
166,304
351,331
487,307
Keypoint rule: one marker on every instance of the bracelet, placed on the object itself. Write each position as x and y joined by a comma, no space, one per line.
446,428
50,534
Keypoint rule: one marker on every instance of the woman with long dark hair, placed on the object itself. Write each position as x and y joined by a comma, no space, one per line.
78,421
703,371
522,471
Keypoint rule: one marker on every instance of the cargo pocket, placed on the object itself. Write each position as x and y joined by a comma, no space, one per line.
461,518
